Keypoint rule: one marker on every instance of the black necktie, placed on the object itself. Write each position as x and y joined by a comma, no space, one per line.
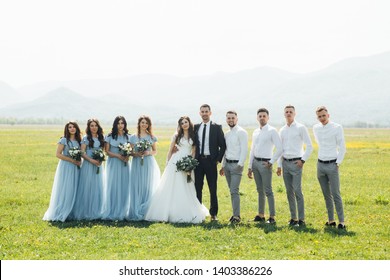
203,140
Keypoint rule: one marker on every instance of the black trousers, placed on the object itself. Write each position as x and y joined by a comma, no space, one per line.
207,167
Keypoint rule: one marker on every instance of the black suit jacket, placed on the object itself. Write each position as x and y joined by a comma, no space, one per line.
216,141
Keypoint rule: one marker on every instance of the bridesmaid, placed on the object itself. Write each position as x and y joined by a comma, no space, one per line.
116,194
89,197
66,178
145,173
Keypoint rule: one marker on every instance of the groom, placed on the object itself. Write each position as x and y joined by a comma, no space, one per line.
210,148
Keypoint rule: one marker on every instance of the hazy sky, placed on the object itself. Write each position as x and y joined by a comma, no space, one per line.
75,39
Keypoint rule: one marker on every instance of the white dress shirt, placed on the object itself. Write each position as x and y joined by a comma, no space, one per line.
293,138
236,145
263,142
330,139
206,140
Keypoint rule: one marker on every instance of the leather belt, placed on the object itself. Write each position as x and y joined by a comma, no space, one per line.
327,161
205,156
262,159
292,159
231,161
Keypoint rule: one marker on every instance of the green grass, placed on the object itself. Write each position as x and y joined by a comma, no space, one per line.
27,170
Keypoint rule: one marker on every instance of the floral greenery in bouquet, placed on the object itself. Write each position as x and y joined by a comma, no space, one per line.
187,164
75,153
125,150
142,146
98,155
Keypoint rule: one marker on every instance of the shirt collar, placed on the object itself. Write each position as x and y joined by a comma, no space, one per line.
292,124
264,127
234,128
326,125
208,123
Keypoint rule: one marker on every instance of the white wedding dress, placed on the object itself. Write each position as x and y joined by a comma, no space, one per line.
175,200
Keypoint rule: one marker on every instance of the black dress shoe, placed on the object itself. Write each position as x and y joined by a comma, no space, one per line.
341,226
271,221
235,219
301,223
292,223
259,219
332,224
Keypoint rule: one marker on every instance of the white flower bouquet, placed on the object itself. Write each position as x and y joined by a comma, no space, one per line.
187,164
98,155
75,153
125,150
142,146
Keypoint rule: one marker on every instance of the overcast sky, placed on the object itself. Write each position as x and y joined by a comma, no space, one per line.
44,40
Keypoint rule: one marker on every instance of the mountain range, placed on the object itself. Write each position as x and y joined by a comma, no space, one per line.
355,90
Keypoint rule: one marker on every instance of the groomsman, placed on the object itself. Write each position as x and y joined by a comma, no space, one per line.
261,159
331,152
294,135
210,148
233,161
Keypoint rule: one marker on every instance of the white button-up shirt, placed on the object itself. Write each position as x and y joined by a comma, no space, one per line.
236,145
206,140
293,138
330,139
263,142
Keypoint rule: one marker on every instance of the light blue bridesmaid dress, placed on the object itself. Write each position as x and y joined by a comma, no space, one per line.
65,186
144,181
89,197
117,183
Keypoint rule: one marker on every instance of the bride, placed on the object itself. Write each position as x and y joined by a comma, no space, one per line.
175,199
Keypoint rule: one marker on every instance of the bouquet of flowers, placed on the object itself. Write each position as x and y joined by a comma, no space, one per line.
187,164
125,150
75,153
142,146
99,155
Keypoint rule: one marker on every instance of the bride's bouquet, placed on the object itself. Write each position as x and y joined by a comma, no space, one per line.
142,146
75,153
125,150
98,155
187,164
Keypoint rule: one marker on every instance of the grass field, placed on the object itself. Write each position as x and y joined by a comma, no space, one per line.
27,168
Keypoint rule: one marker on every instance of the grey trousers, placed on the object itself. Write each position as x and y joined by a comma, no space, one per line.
263,179
233,174
328,177
292,176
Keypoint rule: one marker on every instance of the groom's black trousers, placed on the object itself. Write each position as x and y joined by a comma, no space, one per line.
207,167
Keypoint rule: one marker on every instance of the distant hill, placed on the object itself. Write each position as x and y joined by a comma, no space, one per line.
356,90
8,94
66,104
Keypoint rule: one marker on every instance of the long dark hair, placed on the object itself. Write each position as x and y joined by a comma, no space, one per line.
180,131
149,130
99,133
78,131
114,130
